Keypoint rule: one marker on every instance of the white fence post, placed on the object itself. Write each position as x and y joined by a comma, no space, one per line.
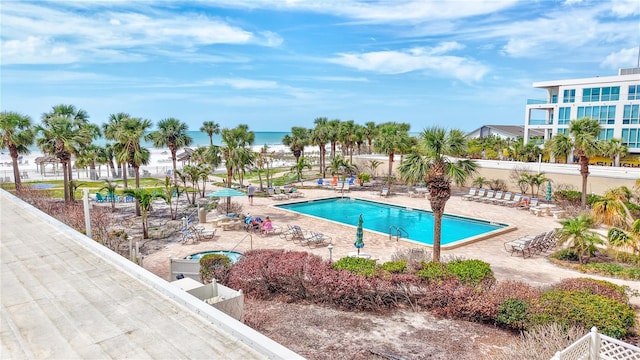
594,345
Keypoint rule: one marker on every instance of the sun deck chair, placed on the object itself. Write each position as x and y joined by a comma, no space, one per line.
384,191
472,193
100,198
516,199
315,239
292,232
498,197
505,199
480,195
490,195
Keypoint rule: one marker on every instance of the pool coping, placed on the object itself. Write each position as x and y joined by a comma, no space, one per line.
466,241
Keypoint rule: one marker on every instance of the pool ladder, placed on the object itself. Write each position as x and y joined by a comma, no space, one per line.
241,240
398,232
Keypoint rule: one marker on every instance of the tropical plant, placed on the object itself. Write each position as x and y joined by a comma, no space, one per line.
210,128
480,181
16,134
370,132
559,147
236,152
320,136
373,166
613,149
392,138
296,142
626,238
534,181
89,156
577,232
610,209
585,133
432,162
340,166
110,186
171,133
144,197
346,133
298,168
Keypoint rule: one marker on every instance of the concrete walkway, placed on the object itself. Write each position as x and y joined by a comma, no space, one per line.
66,297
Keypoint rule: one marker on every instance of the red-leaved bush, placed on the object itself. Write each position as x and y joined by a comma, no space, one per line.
596,287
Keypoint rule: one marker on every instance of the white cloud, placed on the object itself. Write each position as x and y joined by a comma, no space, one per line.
33,33
625,58
624,8
429,60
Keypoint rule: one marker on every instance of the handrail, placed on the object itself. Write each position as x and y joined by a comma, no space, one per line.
398,232
241,240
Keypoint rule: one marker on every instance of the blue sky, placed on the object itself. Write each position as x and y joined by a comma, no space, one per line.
277,64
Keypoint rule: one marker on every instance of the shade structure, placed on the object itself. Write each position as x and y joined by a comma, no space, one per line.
359,244
228,193
549,193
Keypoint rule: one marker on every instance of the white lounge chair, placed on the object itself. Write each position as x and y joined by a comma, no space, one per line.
507,197
490,195
384,192
498,197
480,195
471,194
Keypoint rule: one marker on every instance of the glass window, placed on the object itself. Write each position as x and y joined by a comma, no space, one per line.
606,93
562,131
586,95
631,114
564,114
634,92
615,93
554,98
569,96
595,94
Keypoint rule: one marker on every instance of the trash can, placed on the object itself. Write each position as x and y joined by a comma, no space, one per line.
202,215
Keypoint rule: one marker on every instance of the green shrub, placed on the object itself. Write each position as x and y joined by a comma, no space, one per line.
610,316
209,263
356,265
433,272
596,287
566,255
396,267
471,272
513,313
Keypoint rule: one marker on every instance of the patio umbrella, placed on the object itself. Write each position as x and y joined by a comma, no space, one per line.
228,193
359,244
549,194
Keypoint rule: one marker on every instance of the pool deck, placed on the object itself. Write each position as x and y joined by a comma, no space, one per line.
536,270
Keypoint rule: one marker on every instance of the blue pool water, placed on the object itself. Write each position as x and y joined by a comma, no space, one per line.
234,256
383,217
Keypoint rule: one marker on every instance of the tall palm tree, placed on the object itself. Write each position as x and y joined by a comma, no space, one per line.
431,161
79,120
560,147
171,133
320,136
60,137
392,138
333,128
88,156
16,134
577,231
210,128
346,131
298,139
370,132
111,129
585,133
299,167
236,151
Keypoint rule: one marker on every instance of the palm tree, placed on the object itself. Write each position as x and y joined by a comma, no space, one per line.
613,149
111,130
341,166
432,161
373,166
333,128
89,156
629,237
110,186
370,132
298,139
560,147
60,137
171,133
85,132
299,167
210,128
392,138
144,197
585,133
534,181
16,134
346,131
480,181
611,209
320,137
577,232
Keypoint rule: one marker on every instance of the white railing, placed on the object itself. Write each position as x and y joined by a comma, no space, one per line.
595,346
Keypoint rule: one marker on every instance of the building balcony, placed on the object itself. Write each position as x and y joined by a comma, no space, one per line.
536,101
540,122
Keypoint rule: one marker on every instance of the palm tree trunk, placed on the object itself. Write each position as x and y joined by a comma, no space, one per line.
71,192
124,176
437,233
173,161
584,171
136,171
65,176
16,171
390,169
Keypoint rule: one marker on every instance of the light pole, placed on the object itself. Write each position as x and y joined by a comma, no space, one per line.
330,247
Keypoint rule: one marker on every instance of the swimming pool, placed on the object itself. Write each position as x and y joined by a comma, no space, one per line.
234,256
385,218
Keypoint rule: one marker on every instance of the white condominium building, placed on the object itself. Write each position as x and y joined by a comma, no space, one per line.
612,100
